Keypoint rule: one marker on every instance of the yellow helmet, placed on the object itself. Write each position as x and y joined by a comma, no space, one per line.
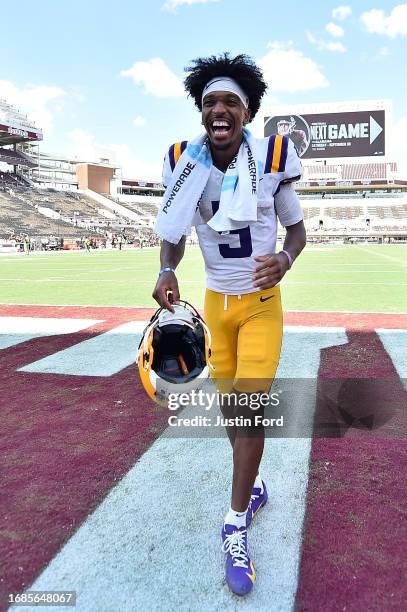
174,351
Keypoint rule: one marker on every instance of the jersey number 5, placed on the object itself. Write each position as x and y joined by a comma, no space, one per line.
244,250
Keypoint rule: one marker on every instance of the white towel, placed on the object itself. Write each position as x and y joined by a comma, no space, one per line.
250,182
238,202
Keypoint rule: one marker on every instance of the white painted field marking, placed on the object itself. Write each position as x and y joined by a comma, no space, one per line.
395,343
184,282
14,330
154,542
301,329
95,268
360,270
89,280
390,257
324,282
103,355
321,249
59,305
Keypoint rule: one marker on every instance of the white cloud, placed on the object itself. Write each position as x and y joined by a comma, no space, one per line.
288,69
322,45
83,146
133,167
376,21
257,125
139,121
334,30
384,51
35,101
341,12
158,80
172,5
335,47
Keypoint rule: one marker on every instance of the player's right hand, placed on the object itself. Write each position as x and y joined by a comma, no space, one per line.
166,291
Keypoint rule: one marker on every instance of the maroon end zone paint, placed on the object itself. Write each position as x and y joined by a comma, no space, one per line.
354,535
348,320
67,440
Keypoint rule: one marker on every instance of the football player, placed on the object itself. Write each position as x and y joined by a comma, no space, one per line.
242,301
286,127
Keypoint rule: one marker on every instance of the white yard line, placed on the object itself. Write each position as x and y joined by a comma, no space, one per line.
395,343
62,279
184,282
154,542
15,330
323,282
361,270
103,355
390,257
370,312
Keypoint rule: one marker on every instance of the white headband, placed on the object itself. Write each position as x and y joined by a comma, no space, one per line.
225,84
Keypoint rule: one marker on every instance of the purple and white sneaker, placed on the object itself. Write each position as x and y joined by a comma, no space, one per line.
258,499
240,572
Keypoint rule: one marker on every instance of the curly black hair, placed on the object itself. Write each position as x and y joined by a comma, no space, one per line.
240,68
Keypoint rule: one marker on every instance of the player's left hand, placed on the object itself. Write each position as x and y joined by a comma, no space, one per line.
270,270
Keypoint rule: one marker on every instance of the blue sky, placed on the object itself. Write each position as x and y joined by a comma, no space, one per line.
97,75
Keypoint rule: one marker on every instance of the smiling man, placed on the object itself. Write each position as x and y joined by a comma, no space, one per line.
233,187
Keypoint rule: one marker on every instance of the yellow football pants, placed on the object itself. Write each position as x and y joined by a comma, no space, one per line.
246,338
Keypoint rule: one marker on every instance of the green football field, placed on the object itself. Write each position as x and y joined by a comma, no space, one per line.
362,278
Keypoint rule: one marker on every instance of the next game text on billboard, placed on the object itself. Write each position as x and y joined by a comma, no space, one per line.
324,135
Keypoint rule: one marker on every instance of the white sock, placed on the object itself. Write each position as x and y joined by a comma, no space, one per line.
238,519
258,484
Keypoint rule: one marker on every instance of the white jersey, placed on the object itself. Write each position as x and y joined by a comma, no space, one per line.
229,256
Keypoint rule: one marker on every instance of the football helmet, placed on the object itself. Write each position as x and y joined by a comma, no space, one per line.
174,351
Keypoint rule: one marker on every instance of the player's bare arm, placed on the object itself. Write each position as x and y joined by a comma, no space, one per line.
272,268
170,256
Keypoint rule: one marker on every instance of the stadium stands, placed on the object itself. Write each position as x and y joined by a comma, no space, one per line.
150,209
399,212
9,179
66,203
344,212
349,214
310,212
147,212
350,172
360,172
24,209
15,158
19,216
72,214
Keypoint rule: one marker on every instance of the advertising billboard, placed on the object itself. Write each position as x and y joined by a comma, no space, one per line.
10,134
329,135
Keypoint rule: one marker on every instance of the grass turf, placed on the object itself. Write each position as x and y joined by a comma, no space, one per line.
358,278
